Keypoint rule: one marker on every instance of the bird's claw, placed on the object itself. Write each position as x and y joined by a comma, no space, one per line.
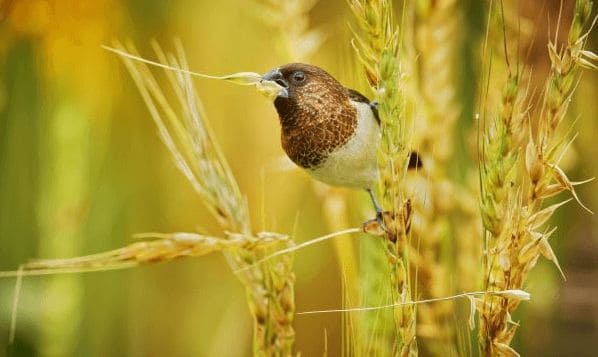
380,218
379,225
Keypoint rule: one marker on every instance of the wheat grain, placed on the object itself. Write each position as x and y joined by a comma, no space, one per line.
514,186
377,45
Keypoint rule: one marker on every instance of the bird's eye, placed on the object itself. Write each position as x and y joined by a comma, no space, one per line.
298,76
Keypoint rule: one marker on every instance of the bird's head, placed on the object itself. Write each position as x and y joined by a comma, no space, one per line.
304,89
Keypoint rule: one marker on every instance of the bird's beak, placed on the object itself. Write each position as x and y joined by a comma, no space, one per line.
275,76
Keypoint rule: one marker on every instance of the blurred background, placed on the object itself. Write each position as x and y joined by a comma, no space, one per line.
82,169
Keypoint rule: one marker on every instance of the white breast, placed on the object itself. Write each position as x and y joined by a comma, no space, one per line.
354,164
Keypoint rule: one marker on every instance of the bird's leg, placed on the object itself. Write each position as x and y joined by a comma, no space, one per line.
378,226
379,212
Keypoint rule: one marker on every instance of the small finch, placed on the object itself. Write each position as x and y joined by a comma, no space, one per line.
331,131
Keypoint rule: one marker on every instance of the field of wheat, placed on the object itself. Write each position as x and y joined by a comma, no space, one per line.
148,209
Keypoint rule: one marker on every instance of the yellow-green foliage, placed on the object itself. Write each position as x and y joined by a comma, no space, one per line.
81,167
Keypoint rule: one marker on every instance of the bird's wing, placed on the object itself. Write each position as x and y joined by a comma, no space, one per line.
415,161
358,97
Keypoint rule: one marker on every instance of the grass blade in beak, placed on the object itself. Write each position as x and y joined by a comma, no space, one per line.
271,89
267,88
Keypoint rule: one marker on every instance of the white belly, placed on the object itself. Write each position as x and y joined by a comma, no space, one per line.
355,163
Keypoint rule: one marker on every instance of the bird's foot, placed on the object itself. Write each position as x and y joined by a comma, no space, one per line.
379,226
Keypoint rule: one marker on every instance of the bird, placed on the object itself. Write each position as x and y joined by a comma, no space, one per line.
330,131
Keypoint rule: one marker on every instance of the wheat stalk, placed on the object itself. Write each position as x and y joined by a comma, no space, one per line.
269,286
432,43
184,132
377,45
514,186
501,207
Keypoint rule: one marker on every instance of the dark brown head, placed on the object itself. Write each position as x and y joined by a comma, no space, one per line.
307,91
315,112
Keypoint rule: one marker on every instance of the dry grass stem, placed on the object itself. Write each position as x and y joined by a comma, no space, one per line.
302,245
268,88
513,294
163,247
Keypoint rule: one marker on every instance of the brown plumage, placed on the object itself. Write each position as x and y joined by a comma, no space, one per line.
316,116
